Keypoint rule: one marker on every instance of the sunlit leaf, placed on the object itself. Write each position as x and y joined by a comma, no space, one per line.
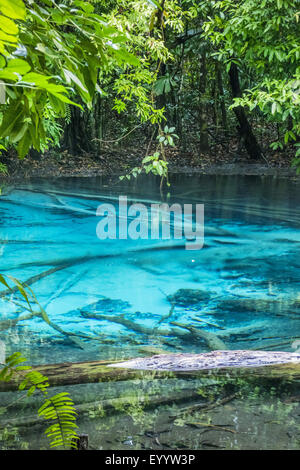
13,9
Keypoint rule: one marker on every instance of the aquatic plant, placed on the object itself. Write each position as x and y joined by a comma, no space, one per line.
59,409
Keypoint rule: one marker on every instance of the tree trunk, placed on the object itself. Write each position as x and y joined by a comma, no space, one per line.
251,364
244,128
79,133
221,96
204,145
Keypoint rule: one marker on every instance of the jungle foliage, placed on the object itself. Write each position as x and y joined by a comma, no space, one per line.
77,73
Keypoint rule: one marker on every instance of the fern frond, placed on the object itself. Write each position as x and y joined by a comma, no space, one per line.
12,365
60,408
33,379
37,380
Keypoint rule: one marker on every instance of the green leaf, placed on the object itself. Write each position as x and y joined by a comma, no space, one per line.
18,132
154,3
87,7
8,37
3,281
36,79
10,118
64,99
24,144
20,288
8,75
8,26
124,56
71,77
18,66
147,159
13,9
45,316
274,107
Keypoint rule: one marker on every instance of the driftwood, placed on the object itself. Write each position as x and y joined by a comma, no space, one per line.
122,320
213,360
211,339
109,406
10,323
267,364
72,337
79,373
35,278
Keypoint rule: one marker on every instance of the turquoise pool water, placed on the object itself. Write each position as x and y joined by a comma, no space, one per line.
242,287
247,274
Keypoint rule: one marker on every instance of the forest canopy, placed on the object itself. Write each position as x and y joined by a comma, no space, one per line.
177,73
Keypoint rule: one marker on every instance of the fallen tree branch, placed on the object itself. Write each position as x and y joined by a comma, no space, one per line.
227,364
212,340
111,406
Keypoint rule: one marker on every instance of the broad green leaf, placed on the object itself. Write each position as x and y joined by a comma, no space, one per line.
87,7
24,145
64,99
124,56
8,38
18,132
10,118
19,66
71,77
36,78
8,75
154,3
59,18
13,9
8,26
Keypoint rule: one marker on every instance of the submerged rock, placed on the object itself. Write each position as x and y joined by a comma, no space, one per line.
106,305
189,297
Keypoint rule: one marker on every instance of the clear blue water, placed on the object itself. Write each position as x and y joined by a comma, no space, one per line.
245,281
248,267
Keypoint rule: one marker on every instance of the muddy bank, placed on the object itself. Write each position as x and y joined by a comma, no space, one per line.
114,163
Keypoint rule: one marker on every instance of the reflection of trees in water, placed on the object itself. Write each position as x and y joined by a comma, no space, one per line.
207,411
189,412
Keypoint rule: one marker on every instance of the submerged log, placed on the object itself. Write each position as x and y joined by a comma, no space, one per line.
114,405
211,339
34,279
229,364
79,373
212,360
